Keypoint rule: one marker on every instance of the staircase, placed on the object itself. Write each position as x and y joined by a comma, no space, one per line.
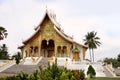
101,71
29,69
7,65
107,73
32,60
43,63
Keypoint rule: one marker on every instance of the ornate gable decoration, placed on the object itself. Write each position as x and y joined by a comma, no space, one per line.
49,32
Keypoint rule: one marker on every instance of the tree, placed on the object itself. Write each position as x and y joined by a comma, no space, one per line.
91,71
114,61
3,33
118,58
92,41
108,60
17,57
4,52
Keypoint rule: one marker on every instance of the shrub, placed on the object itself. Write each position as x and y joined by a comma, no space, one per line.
91,72
23,76
81,75
17,58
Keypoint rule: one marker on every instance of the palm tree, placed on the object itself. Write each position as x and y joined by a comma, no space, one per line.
87,42
3,33
92,41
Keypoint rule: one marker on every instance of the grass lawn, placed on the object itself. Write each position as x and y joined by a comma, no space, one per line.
104,78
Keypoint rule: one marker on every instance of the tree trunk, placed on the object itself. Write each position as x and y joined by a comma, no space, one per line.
90,55
93,54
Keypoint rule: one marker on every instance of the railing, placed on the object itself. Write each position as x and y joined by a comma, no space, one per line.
110,69
6,64
31,60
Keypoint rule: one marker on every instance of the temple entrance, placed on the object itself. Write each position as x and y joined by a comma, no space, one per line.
76,53
76,56
47,48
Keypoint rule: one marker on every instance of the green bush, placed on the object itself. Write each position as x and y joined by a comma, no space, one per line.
10,78
91,71
17,58
81,75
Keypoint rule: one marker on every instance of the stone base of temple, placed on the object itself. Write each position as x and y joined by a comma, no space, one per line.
30,64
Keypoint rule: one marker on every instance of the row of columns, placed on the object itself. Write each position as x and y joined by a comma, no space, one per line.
34,51
59,51
62,51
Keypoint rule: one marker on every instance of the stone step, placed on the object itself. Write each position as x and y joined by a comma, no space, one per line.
29,69
107,73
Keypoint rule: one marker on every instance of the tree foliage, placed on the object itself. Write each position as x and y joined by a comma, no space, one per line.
118,58
3,33
91,71
82,75
4,52
17,57
108,60
114,61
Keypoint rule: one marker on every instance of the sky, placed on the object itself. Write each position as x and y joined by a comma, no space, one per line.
77,17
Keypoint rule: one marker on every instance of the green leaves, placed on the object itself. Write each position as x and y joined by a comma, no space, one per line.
91,72
92,41
114,61
4,52
82,75
3,33
17,58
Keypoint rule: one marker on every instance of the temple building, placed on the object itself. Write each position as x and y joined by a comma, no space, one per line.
50,40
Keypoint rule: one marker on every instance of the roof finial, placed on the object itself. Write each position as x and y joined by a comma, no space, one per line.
72,36
46,8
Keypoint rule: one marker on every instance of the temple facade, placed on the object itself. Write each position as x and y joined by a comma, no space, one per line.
50,40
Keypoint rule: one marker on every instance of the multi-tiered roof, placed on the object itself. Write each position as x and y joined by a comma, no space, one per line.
57,28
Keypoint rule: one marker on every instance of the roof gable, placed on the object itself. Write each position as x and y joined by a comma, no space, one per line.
52,18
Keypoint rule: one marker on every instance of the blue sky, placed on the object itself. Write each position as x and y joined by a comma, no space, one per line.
77,17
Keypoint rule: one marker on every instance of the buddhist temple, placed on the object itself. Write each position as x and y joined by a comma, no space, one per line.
50,40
